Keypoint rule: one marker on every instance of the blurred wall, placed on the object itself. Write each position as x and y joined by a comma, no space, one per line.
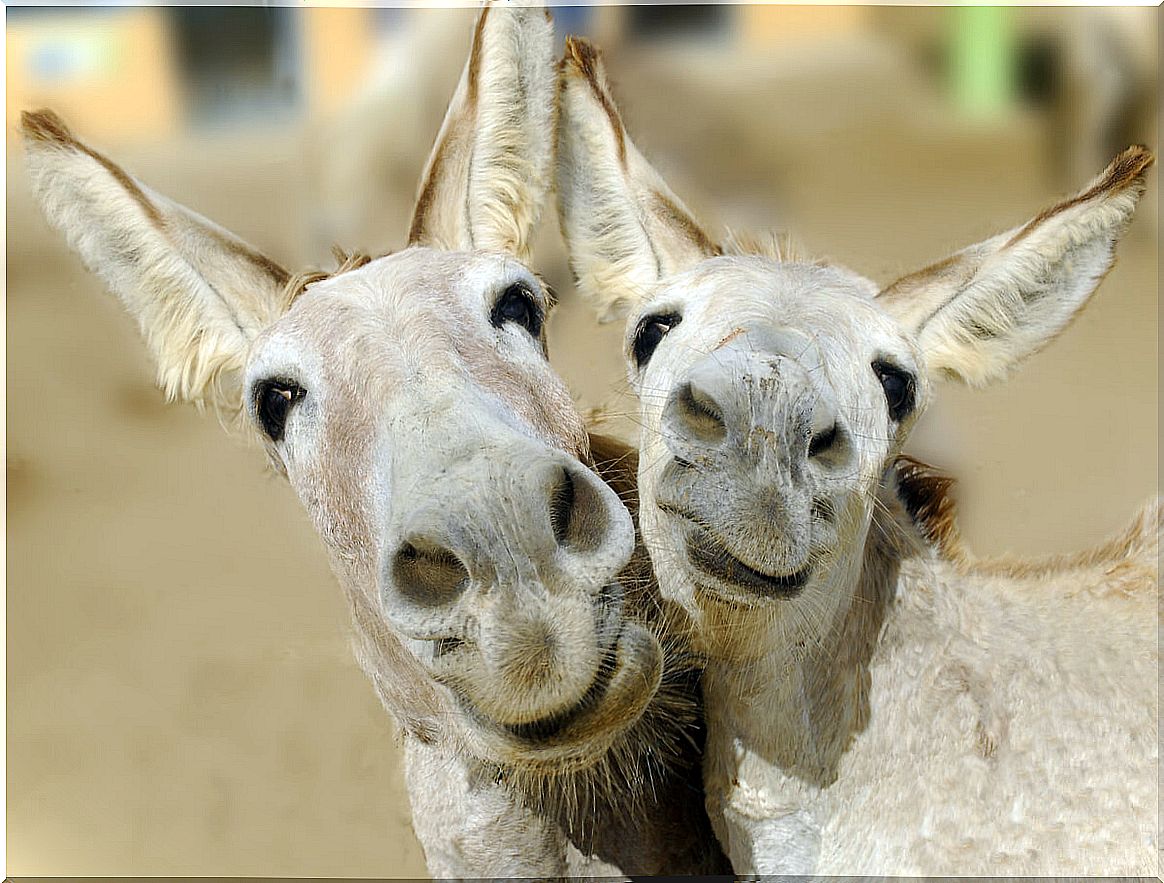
338,45
99,68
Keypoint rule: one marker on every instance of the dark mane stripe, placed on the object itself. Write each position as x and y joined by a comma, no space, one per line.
927,495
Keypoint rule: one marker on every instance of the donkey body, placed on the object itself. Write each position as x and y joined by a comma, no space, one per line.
500,609
972,721
878,702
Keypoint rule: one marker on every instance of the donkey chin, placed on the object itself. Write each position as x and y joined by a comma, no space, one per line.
555,686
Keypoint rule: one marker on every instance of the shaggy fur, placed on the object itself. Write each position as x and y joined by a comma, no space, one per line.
957,767
879,702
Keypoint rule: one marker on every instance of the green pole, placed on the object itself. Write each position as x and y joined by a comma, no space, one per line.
981,60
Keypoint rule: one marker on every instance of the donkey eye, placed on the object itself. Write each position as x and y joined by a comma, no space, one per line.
650,333
273,402
517,304
899,386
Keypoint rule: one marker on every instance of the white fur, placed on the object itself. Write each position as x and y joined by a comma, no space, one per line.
1013,732
906,710
494,151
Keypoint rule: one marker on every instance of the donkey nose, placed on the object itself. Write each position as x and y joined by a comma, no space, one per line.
579,518
826,439
709,407
539,521
763,390
427,573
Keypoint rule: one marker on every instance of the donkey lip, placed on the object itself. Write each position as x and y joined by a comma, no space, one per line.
710,555
609,616
546,728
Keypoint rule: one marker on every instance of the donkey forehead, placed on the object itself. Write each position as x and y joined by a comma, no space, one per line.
731,294
415,326
417,302
732,281
416,282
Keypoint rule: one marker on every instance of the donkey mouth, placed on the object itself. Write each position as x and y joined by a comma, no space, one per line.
626,677
558,725
710,555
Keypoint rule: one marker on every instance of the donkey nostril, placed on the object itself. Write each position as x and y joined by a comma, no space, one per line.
822,441
700,413
561,507
578,516
427,574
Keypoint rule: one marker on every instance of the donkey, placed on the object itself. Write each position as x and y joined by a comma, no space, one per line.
551,723
878,701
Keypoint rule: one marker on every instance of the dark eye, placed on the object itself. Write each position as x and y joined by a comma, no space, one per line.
651,331
273,402
517,304
899,386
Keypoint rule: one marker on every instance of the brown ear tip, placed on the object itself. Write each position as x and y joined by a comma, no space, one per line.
44,125
1130,165
1146,157
582,55
1142,151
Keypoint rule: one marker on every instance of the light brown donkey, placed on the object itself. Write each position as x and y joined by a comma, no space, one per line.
548,717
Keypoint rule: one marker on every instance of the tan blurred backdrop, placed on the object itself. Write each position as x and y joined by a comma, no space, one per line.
181,696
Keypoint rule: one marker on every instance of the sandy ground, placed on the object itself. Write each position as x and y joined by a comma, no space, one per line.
181,696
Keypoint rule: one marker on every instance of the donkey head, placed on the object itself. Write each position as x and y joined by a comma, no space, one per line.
409,402
776,394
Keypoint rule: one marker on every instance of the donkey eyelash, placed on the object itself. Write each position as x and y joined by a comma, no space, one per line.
900,388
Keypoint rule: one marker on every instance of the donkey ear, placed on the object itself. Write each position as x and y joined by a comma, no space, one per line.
980,312
624,228
199,294
489,170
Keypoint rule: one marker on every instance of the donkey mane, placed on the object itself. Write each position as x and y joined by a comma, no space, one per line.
1128,558
778,245
344,260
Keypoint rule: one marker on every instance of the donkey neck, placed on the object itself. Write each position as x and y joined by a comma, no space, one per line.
798,708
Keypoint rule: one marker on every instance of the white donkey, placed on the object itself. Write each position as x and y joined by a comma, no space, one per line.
409,402
878,702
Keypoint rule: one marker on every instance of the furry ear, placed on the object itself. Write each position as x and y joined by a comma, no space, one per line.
984,310
488,173
624,227
199,293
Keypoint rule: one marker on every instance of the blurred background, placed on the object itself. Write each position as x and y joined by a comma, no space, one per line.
181,696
